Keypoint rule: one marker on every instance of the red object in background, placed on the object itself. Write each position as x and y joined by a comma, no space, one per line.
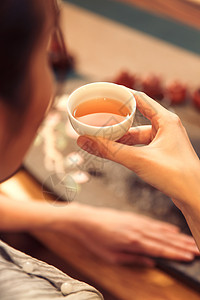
196,98
61,61
176,92
126,79
152,86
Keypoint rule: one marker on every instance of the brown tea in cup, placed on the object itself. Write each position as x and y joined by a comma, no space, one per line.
101,112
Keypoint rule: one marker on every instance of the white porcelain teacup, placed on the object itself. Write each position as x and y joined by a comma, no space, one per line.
99,90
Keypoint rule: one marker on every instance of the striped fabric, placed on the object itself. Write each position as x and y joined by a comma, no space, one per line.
43,283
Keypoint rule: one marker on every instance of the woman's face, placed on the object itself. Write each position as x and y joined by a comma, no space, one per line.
42,90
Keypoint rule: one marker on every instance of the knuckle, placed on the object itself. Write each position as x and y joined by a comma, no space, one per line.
175,119
142,94
134,242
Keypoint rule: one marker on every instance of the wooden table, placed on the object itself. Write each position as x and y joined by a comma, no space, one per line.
124,282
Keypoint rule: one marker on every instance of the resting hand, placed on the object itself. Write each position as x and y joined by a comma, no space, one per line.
123,237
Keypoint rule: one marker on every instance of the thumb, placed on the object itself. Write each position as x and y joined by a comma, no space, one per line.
108,149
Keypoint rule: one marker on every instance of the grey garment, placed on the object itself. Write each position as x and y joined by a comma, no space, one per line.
42,283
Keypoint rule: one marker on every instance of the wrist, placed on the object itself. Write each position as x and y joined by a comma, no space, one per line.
190,205
189,196
68,218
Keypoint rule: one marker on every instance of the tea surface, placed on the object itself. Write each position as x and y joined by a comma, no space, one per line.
101,112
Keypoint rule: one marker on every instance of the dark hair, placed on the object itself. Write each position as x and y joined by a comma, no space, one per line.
20,26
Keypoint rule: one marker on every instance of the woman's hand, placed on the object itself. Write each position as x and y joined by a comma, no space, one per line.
167,160
123,237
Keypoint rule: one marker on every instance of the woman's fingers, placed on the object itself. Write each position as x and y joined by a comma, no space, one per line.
128,156
101,147
149,107
164,232
169,252
179,241
160,249
164,227
137,135
108,149
157,243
